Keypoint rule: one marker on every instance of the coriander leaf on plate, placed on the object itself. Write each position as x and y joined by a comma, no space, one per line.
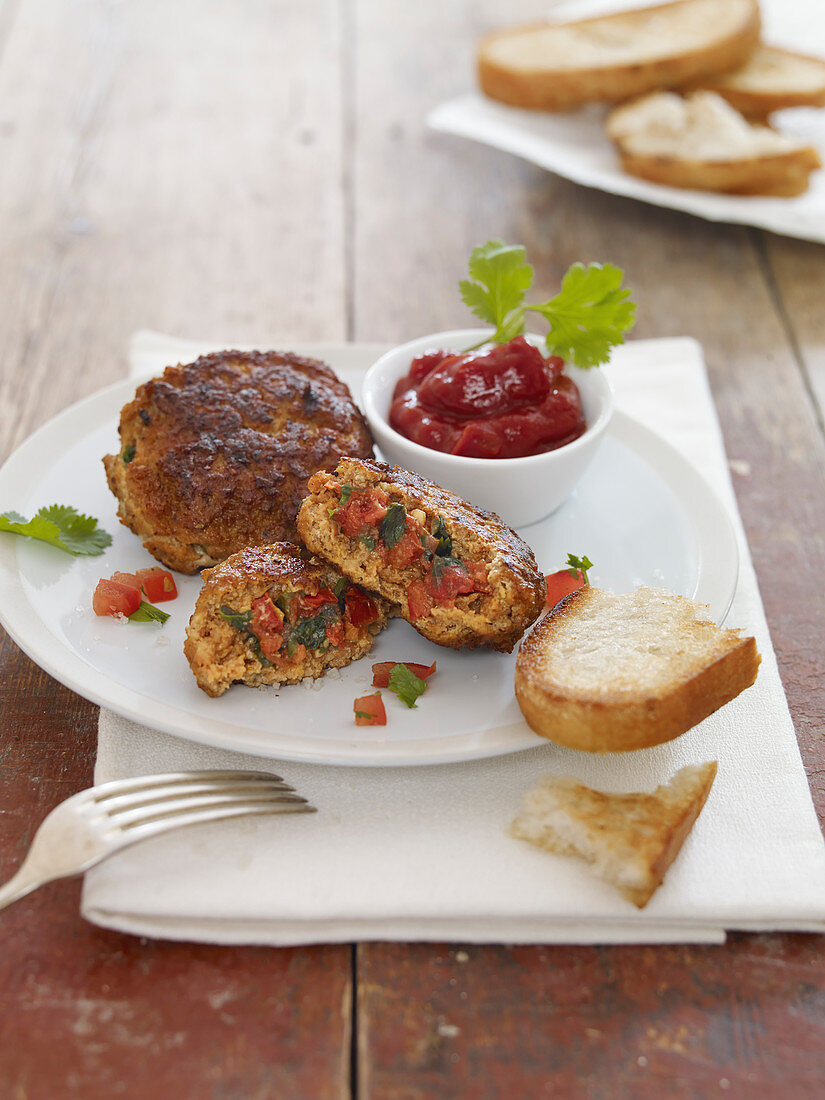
499,279
61,526
148,613
406,685
590,315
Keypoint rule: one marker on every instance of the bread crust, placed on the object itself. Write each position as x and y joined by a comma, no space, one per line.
782,175
220,452
561,89
741,86
220,656
497,619
630,840
636,710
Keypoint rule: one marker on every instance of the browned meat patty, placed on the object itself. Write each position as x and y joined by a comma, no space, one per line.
216,455
275,614
458,575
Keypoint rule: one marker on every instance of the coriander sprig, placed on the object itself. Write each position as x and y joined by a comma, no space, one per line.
61,526
579,565
590,315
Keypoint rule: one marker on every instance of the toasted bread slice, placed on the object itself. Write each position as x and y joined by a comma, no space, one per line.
771,80
701,142
608,673
558,66
629,840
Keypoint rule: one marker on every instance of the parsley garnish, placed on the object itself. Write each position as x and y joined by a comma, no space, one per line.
589,316
393,525
61,526
148,613
406,685
579,565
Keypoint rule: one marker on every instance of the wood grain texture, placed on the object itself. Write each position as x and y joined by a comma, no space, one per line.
168,166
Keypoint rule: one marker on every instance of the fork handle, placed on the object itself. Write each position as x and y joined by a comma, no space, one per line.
21,884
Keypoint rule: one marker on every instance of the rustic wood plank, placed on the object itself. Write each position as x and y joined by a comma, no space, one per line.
175,167
602,1022
169,168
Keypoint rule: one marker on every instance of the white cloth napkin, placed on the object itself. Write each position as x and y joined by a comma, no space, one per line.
573,144
423,853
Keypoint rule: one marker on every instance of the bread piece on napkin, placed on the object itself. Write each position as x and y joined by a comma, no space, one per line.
558,66
629,840
771,80
700,142
610,673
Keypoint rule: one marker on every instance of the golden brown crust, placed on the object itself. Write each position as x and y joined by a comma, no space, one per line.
561,89
218,653
497,619
223,449
744,94
650,700
781,175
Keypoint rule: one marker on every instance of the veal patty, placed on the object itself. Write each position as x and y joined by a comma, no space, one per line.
458,575
274,614
215,455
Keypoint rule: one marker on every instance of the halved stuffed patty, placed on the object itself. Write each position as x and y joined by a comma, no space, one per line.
275,614
459,575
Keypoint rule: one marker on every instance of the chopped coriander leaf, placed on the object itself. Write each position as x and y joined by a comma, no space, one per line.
406,685
61,526
148,613
579,565
346,490
239,619
445,541
128,453
368,541
393,525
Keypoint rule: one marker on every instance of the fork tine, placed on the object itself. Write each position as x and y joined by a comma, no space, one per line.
141,830
116,804
130,816
115,787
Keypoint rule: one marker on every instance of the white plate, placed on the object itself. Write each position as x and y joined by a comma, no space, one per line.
641,513
573,144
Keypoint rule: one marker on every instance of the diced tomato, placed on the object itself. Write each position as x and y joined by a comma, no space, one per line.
335,633
364,509
423,364
113,597
309,604
408,549
451,582
479,573
360,607
267,626
381,671
561,583
419,600
157,584
370,710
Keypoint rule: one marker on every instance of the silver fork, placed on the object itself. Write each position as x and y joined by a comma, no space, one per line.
94,823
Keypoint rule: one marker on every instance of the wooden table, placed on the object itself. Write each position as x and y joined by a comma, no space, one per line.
259,172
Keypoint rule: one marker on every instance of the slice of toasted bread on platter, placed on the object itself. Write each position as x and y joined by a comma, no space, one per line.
559,66
771,80
700,142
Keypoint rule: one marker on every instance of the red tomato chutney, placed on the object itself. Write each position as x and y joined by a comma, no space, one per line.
506,402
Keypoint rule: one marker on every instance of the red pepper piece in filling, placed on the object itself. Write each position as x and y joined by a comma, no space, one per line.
364,509
450,582
408,549
267,625
419,600
308,605
359,607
